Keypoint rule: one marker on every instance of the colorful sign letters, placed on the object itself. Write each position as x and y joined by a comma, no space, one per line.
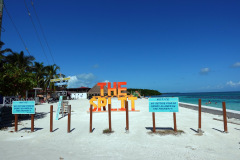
116,91
163,104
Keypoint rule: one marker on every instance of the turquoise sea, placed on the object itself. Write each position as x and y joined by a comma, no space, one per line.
232,99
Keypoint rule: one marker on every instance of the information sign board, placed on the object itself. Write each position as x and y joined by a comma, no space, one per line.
60,84
59,79
23,107
59,107
163,104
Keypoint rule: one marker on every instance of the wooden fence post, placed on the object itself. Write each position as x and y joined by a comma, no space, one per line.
199,116
109,117
51,118
90,118
153,117
32,122
225,117
69,118
16,122
127,116
175,122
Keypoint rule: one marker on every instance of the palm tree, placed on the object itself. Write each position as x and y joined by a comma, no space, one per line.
2,56
20,60
16,74
51,74
40,73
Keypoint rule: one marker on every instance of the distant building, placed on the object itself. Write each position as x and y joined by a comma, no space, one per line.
78,93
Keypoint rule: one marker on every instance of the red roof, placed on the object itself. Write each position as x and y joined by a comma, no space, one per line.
83,87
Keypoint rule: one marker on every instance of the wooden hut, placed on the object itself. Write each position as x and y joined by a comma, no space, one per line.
95,91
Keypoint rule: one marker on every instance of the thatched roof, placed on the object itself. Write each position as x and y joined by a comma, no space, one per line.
96,90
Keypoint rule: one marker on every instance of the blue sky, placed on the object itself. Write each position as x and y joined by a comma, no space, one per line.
170,46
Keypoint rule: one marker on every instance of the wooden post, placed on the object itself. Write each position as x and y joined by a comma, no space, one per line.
104,107
32,122
175,122
127,118
69,118
199,116
16,122
225,117
51,118
90,118
153,117
109,117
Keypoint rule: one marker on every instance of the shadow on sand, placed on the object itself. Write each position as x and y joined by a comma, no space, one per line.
159,128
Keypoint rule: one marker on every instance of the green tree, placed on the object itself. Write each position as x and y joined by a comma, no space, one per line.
40,73
2,56
16,76
20,60
51,71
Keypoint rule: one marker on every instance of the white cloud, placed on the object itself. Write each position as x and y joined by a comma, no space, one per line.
85,80
106,81
233,84
237,64
204,71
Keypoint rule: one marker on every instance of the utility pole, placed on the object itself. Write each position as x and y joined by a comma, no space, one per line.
1,13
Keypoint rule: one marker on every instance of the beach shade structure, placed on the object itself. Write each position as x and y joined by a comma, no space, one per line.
95,91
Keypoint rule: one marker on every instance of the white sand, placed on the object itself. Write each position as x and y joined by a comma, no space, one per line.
137,144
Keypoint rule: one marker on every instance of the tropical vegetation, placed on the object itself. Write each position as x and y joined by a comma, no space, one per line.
20,72
143,92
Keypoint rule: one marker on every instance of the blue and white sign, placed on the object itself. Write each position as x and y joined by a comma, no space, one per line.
60,84
163,104
23,107
59,107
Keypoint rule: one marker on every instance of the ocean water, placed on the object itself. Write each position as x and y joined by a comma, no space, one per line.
232,99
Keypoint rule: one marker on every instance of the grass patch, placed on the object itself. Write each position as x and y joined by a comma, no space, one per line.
107,131
166,132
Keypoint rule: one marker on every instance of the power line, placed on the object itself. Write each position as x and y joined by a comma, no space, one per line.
36,31
16,29
42,32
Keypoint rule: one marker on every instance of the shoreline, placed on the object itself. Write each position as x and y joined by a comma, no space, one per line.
212,110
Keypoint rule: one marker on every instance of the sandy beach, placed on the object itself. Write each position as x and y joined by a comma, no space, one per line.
136,144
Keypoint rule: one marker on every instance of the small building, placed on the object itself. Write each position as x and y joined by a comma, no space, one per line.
78,93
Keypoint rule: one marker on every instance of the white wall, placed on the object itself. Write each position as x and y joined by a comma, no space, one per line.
78,95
